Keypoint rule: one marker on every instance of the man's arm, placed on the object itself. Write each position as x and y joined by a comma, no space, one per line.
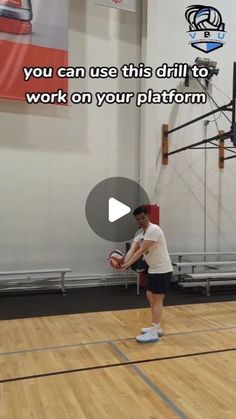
146,245
133,249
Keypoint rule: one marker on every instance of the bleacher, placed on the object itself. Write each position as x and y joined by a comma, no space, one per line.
211,273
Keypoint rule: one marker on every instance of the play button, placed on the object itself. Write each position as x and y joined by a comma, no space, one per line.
109,208
117,210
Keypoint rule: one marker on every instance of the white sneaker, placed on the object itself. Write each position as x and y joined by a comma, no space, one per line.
148,337
147,329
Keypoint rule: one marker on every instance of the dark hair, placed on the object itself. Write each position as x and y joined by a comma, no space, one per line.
140,210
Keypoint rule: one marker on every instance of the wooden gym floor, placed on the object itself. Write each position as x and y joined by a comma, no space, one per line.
90,366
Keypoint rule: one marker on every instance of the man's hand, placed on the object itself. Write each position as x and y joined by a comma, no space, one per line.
146,245
124,267
133,249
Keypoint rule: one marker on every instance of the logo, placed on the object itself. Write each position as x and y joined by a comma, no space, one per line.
206,28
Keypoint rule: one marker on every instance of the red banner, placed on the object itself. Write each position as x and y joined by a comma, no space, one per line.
32,34
17,3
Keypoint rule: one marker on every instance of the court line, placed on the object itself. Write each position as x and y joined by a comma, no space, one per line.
121,364
150,383
77,345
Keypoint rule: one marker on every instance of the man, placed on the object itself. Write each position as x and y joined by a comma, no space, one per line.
150,242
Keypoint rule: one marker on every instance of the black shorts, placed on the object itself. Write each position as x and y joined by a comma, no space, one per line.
159,283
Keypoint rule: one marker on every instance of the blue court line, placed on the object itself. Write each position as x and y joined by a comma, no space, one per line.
150,383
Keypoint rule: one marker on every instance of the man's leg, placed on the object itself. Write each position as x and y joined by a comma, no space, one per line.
157,308
152,334
154,311
158,285
149,297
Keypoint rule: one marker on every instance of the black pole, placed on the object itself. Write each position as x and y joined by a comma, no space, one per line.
221,108
216,137
208,148
230,158
234,107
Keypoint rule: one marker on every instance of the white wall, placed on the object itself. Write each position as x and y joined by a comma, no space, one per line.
179,187
50,158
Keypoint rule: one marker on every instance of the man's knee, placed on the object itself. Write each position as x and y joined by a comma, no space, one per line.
158,298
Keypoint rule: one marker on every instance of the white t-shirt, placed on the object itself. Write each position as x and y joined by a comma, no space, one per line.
157,257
